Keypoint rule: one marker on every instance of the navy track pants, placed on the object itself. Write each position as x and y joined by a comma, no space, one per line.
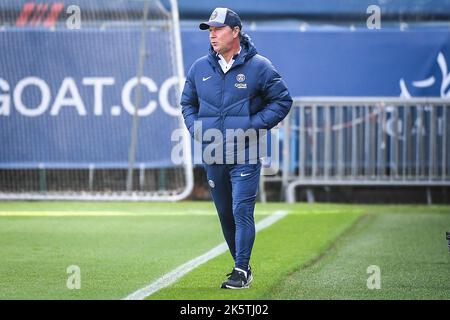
234,188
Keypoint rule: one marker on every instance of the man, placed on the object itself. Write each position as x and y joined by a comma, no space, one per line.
233,87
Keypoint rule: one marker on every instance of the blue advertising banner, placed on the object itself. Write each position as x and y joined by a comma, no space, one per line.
359,63
67,97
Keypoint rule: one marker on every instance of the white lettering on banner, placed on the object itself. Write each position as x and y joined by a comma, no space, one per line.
126,93
45,96
444,88
5,99
98,83
69,95
61,100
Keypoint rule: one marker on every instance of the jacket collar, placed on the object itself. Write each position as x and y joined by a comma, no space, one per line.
248,50
233,57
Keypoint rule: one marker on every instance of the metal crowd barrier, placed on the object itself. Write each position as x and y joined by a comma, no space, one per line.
379,141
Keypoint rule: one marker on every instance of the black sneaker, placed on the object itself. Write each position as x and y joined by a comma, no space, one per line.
237,279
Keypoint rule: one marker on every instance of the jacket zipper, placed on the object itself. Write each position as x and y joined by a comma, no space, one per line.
223,75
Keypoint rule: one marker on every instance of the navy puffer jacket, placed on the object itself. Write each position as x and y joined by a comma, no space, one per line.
250,95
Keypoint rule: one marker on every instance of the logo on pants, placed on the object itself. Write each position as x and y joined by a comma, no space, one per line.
211,183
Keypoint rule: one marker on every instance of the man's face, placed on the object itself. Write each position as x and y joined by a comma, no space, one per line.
221,38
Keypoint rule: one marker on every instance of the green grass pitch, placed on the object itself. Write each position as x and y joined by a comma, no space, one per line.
319,251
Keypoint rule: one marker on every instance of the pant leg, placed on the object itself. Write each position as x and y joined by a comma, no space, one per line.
220,187
245,182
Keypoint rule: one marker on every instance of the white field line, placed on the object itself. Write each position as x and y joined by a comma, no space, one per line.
185,268
103,213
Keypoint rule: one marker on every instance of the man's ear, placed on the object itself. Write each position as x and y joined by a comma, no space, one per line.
236,32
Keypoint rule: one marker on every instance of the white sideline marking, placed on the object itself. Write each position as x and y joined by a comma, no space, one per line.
179,272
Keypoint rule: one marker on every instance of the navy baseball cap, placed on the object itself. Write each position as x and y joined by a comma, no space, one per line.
222,17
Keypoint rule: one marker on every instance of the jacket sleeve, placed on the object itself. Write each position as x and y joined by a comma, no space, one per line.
277,100
189,102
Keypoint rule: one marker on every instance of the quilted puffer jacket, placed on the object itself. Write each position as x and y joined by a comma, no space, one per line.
250,95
